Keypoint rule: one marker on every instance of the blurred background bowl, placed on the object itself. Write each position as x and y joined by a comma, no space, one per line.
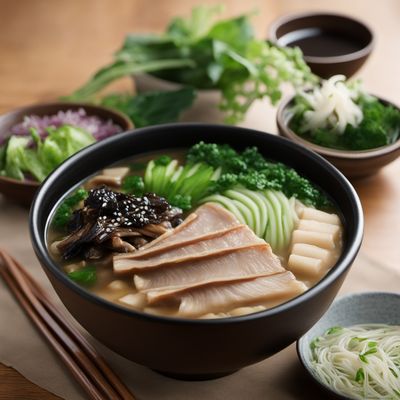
353,163
354,309
331,43
22,192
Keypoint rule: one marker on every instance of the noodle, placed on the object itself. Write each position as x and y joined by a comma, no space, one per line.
361,361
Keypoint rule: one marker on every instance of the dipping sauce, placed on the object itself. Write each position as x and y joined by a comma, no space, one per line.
316,42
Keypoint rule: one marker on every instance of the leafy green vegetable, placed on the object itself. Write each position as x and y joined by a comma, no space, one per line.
181,186
37,157
214,168
119,69
380,126
85,276
251,170
151,108
63,213
268,213
199,52
133,184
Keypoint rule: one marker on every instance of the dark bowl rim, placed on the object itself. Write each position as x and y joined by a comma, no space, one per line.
46,261
62,104
327,151
364,51
302,357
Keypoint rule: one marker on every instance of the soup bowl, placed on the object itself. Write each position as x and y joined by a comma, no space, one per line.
196,349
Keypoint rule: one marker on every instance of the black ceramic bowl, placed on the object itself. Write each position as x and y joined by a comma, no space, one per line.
184,348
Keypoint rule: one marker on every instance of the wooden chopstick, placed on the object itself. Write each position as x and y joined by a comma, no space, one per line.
87,366
69,362
77,336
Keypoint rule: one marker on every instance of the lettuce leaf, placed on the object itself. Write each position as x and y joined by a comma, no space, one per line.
34,157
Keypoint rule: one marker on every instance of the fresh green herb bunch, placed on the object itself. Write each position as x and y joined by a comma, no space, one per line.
222,55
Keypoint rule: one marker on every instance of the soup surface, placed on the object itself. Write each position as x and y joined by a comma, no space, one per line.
321,43
199,233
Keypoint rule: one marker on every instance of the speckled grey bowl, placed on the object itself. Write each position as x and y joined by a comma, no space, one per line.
360,308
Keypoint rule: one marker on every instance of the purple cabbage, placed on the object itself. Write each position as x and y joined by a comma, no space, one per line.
99,128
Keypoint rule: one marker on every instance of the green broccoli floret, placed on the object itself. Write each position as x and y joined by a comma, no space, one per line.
182,202
225,182
253,180
253,158
216,155
133,184
163,160
63,213
253,171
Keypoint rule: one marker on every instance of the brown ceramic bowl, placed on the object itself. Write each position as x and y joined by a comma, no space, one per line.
348,42
22,192
353,164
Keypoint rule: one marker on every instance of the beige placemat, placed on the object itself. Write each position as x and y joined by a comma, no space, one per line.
21,347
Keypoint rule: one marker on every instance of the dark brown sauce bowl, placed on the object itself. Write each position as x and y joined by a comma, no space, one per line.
22,192
196,349
342,26
352,163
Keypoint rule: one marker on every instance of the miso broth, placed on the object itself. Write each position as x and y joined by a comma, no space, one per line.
287,246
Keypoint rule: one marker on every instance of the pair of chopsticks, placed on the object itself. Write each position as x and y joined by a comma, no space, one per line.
86,365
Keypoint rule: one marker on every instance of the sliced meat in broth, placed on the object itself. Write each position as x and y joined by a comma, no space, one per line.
229,264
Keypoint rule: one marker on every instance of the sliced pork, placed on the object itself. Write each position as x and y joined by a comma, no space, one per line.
207,218
228,264
203,246
219,298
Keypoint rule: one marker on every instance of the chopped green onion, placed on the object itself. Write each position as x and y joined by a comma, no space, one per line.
86,275
360,376
333,330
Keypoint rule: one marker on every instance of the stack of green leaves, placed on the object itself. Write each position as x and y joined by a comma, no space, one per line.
36,157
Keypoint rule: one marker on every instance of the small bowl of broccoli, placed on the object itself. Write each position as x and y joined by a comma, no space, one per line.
357,132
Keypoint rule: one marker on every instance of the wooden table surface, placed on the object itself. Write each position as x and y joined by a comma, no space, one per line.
48,48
